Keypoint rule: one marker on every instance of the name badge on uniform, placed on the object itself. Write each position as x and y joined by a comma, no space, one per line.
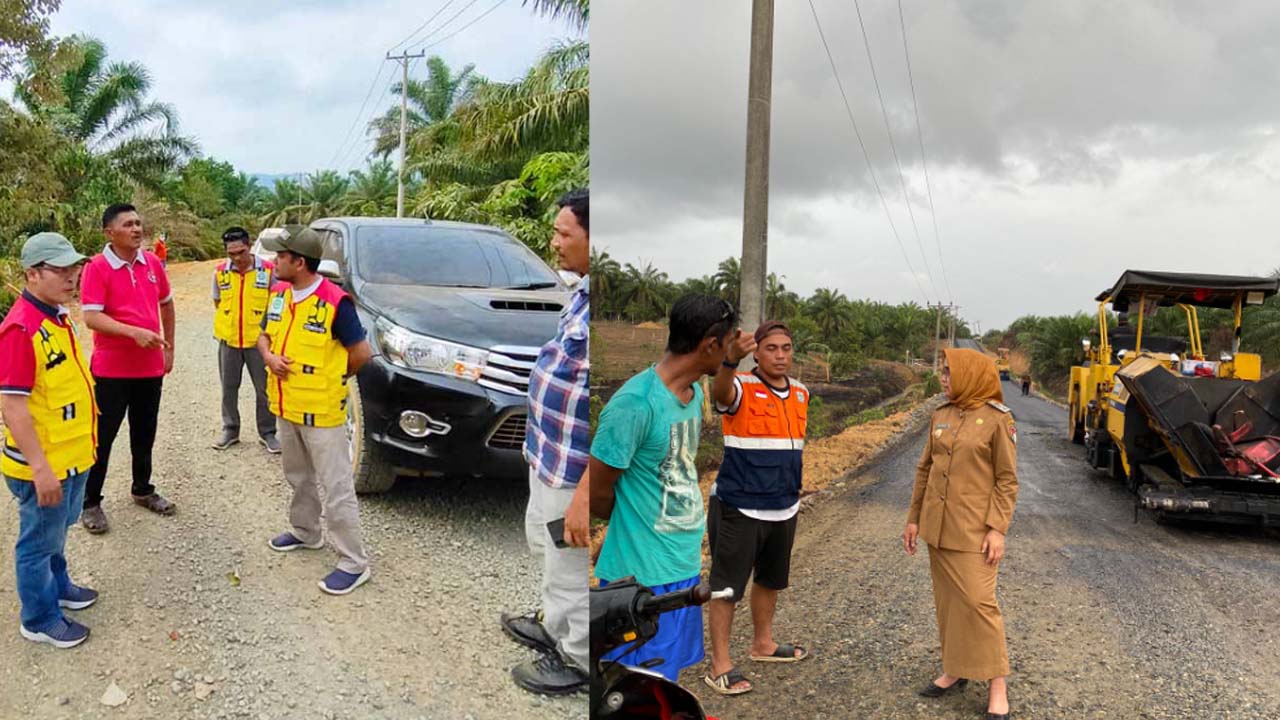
263,276
277,308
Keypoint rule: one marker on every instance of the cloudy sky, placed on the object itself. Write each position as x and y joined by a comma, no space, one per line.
1065,142
274,87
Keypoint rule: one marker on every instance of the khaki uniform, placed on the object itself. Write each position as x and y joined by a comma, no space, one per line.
966,483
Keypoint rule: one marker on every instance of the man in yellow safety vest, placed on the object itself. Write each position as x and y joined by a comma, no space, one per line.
312,341
50,436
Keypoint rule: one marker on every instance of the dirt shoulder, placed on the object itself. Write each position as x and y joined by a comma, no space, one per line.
200,619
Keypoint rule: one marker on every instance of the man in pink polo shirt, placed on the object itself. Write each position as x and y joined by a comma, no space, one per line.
126,299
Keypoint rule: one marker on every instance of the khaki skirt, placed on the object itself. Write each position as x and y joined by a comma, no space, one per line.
969,622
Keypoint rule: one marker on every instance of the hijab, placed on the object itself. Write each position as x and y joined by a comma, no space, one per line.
974,378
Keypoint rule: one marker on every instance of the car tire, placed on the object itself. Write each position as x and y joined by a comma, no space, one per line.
373,474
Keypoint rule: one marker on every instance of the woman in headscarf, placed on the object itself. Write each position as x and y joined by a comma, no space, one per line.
966,485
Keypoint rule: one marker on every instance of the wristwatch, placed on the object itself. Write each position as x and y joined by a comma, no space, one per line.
730,365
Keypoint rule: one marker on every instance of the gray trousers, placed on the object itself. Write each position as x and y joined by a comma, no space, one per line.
564,574
316,458
230,368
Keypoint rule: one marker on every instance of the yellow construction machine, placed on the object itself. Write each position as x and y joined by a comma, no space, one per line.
1193,436
1003,364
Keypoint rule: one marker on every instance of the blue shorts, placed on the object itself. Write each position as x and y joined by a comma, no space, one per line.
679,638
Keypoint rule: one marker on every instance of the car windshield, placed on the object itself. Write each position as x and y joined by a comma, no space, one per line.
449,257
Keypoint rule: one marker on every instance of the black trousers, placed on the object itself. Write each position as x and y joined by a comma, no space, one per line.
139,398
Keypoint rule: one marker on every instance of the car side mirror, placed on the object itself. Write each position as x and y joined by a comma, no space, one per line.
329,269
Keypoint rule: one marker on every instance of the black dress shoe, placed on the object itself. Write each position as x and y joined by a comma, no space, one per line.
529,631
549,675
933,690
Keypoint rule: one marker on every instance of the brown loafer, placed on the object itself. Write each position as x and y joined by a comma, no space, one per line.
94,520
155,503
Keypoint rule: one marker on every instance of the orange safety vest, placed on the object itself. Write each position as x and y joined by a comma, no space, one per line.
315,393
242,301
62,404
763,440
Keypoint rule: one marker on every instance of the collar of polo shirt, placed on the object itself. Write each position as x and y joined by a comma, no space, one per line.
116,263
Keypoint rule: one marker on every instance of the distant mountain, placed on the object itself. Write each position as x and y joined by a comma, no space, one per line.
269,181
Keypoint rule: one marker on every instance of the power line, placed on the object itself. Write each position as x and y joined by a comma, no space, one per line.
893,147
867,156
423,25
473,21
421,42
924,163
343,145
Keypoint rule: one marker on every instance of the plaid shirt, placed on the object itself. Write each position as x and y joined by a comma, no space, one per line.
558,438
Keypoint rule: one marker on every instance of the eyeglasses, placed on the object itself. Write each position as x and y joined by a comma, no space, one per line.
62,272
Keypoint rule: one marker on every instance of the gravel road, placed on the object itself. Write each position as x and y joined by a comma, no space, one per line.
1106,618
199,619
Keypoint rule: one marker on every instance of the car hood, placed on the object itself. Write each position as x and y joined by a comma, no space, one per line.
479,317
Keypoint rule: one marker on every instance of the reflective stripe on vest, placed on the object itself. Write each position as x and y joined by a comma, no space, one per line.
763,440
242,301
315,392
61,405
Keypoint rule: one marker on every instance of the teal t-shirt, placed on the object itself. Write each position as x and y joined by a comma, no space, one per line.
656,529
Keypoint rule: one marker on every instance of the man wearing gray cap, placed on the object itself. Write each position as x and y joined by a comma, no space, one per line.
311,342
50,432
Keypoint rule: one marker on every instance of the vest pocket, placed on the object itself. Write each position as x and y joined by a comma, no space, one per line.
763,420
762,474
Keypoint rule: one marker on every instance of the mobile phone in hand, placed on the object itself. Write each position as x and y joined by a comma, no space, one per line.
556,528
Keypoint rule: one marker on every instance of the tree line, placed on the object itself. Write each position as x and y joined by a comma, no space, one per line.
83,130
844,331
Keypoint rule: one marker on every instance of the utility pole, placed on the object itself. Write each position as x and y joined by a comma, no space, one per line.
403,59
755,204
937,328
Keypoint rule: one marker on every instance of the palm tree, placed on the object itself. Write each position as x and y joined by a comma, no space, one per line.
780,303
728,279
323,193
547,109
282,204
577,12
372,191
606,277
830,309
428,102
105,106
645,292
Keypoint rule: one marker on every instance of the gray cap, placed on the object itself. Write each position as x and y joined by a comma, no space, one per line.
297,239
49,248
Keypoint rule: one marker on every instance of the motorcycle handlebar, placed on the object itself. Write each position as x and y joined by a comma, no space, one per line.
696,595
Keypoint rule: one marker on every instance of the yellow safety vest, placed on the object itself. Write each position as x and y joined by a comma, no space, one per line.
61,404
242,300
315,393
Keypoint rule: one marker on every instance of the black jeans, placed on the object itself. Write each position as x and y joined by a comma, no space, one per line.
140,399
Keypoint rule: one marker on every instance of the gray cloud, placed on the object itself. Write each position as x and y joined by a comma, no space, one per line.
1064,139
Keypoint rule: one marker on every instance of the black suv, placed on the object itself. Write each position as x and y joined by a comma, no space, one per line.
456,314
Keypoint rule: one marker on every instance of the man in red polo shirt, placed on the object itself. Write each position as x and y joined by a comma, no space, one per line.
126,299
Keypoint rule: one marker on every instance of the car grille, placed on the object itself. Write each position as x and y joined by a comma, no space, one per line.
510,434
509,368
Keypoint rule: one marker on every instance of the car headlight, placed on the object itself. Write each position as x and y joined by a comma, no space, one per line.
410,350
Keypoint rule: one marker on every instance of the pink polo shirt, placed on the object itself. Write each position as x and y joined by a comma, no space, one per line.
131,293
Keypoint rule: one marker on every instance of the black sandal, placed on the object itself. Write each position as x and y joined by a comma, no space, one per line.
724,684
932,690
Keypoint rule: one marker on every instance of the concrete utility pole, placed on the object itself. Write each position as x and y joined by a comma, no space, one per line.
755,204
403,59
937,329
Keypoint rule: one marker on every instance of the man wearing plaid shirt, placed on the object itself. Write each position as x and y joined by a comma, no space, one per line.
556,448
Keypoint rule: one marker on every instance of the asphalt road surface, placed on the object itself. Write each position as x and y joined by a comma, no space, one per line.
1106,617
